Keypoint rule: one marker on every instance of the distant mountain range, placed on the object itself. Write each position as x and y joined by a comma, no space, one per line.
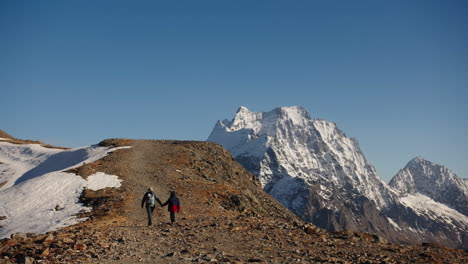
314,169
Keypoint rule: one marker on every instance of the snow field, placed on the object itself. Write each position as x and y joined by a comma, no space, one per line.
426,206
29,204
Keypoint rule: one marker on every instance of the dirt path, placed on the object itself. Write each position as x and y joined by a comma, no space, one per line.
145,171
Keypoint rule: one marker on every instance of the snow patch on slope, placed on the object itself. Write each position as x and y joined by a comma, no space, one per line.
24,162
395,225
29,205
426,206
100,180
18,159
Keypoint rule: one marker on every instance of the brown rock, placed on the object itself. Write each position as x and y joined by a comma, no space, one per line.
49,239
26,260
80,246
239,229
12,242
45,253
104,245
309,229
19,236
67,240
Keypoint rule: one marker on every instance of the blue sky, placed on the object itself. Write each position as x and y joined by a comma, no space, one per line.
393,74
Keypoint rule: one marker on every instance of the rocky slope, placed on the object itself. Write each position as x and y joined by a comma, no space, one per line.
314,169
225,218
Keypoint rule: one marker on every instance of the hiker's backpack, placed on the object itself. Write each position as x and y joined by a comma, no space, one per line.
151,199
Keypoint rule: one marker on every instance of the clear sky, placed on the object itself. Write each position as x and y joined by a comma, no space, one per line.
393,74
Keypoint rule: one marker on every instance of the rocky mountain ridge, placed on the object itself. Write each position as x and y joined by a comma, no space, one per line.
314,169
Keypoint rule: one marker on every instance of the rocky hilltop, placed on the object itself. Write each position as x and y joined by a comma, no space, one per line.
315,170
226,217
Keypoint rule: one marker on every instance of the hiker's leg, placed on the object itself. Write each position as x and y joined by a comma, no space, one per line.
149,211
172,217
152,210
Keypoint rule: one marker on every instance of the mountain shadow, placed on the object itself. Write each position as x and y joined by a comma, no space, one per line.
56,162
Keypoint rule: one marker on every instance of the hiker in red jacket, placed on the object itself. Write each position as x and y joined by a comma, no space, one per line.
150,199
174,205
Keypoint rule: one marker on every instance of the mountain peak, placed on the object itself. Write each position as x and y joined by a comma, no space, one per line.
419,169
293,112
287,111
262,122
433,180
420,160
427,165
242,109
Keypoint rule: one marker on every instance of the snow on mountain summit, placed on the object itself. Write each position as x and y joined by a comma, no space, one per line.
263,122
433,180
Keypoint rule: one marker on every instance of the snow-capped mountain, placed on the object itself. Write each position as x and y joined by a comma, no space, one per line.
312,150
431,197
319,173
435,181
309,165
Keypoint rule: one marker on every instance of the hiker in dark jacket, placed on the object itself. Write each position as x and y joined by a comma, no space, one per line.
174,205
149,200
